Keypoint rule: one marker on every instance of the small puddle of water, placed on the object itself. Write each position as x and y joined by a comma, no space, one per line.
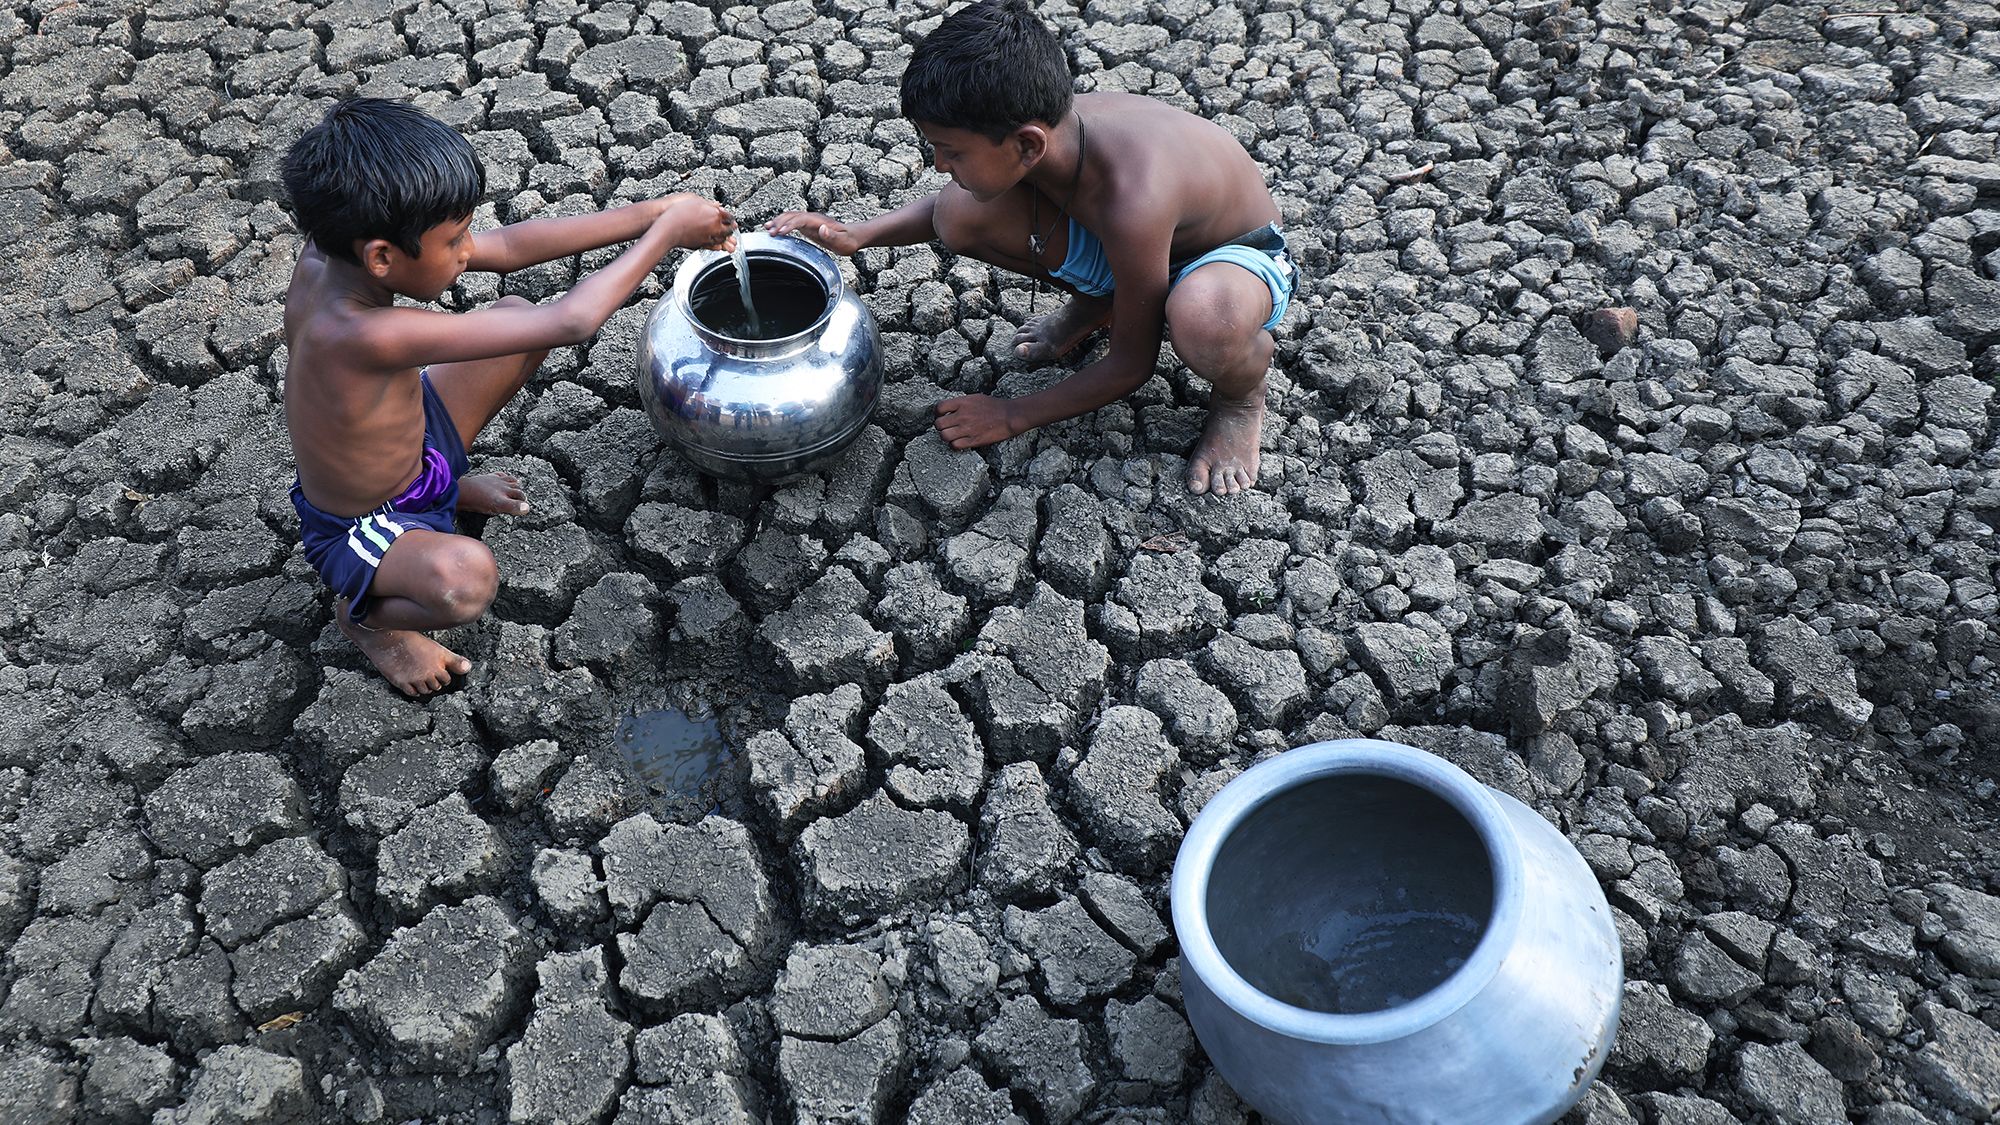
673,753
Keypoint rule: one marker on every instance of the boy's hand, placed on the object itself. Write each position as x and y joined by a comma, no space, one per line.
970,421
833,235
699,224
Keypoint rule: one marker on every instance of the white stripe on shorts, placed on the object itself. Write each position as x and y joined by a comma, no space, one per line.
373,535
354,544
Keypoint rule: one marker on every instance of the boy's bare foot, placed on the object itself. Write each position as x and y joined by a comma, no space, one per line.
1051,336
413,663
1225,459
493,494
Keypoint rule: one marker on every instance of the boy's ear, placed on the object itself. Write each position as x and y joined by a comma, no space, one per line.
376,256
1031,143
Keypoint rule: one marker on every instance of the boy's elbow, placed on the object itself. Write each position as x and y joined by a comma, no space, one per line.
1123,377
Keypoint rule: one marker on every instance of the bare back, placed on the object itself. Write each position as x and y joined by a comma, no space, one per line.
357,433
1194,169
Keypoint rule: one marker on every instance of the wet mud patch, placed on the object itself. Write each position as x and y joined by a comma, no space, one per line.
677,755
1920,817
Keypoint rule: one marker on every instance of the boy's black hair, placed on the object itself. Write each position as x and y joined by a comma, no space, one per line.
374,168
990,67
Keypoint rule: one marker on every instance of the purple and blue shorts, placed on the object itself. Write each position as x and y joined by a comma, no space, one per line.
345,550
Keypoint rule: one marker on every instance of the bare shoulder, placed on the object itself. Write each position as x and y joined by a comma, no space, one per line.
328,328
1150,127
313,308
1152,144
1195,172
305,297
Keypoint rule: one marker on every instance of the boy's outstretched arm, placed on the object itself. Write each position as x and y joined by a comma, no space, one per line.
520,245
402,337
1136,245
905,226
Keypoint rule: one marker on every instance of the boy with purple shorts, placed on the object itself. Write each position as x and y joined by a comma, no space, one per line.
381,400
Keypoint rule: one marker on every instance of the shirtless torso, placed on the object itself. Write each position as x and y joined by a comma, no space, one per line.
359,417
1154,185
357,434
1147,163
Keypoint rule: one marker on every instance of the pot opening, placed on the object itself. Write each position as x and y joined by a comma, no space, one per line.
789,298
1350,893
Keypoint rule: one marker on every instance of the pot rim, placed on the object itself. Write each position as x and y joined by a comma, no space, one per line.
791,247
1373,757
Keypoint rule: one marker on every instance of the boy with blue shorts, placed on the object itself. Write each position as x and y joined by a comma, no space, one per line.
381,399
1154,220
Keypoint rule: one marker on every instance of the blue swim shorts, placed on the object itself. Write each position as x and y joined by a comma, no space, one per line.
1262,252
345,550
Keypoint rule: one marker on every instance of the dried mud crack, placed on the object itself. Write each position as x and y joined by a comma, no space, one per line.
1631,444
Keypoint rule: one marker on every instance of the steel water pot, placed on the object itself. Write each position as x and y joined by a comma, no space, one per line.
757,403
1369,935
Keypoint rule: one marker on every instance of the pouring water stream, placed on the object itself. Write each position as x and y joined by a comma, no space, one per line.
743,287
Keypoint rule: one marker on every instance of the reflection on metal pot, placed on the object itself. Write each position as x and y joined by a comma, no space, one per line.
757,405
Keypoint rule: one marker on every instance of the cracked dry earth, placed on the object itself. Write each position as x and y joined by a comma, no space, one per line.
1710,586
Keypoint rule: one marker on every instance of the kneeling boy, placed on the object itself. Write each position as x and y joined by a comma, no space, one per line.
381,400
1151,218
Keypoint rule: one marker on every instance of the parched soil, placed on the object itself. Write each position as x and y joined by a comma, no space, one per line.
1630,445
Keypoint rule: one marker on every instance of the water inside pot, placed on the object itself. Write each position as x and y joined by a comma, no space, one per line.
789,298
1350,894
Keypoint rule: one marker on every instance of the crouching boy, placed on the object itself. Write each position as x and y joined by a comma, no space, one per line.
1153,219
381,399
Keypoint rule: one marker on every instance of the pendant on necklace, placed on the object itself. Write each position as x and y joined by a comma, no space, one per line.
1036,244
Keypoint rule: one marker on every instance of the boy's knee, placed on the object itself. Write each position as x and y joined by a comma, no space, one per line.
1211,325
467,580
1204,337
513,301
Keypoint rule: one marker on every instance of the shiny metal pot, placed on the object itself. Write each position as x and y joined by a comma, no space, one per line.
756,409
1369,935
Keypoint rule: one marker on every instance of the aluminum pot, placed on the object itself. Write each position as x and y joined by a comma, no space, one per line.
1369,935
763,404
